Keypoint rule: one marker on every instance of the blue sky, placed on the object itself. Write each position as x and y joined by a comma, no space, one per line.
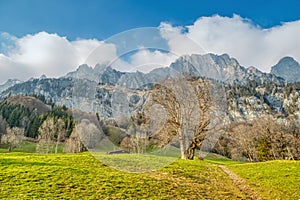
101,19
54,37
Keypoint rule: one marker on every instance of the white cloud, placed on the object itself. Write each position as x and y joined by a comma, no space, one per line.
50,54
11,70
94,52
238,37
143,60
146,60
54,55
178,42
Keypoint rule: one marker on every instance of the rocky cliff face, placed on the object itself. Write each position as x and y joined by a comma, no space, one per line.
251,101
221,68
92,89
58,91
287,68
9,83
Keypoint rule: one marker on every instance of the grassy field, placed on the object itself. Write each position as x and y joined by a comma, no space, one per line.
273,179
81,176
25,147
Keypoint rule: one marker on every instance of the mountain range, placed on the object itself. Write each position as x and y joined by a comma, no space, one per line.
217,67
96,84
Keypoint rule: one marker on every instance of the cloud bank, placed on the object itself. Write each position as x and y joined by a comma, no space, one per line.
239,37
45,53
48,53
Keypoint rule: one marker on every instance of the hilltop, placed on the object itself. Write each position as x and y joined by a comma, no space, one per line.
287,68
32,103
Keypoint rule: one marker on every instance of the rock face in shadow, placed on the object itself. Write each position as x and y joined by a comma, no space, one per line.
287,68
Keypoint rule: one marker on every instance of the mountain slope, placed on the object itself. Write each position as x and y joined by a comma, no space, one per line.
8,84
221,68
30,102
90,88
287,68
56,90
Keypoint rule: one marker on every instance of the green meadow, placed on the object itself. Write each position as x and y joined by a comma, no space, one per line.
272,179
82,176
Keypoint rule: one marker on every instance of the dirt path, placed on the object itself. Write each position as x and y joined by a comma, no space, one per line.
240,183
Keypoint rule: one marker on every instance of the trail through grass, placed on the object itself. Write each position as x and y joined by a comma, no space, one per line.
81,176
273,179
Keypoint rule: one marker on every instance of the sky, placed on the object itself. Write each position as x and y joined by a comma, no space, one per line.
54,37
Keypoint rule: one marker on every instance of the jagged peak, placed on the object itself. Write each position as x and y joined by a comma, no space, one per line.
100,67
12,81
287,59
84,67
43,76
287,68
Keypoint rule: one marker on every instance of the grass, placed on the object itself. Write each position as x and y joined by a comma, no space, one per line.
82,176
135,162
25,147
272,179
220,160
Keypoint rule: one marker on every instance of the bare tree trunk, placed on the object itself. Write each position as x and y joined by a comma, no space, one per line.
190,152
197,141
296,145
10,148
181,144
56,147
290,153
249,155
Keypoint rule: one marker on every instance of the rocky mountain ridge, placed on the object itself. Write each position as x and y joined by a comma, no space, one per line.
91,89
221,68
287,68
9,83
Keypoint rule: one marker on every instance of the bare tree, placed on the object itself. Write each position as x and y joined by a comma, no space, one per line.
188,105
51,133
73,144
89,134
293,128
265,138
273,137
165,97
242,143
203,97
137,134
46,136
3,126
60,132
13,137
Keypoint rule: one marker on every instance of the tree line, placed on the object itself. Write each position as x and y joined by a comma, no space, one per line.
18,122
266,138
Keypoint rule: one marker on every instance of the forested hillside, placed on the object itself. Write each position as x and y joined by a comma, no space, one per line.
27,114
